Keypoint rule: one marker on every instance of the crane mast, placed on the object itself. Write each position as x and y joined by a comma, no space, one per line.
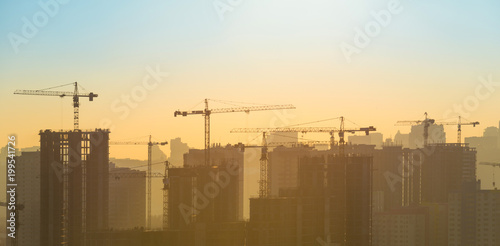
459,125
149,175
426,122
265,179
207,133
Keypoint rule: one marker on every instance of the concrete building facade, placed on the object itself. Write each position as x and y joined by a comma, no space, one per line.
83,153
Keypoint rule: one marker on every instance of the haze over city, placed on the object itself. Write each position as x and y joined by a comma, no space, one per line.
406,93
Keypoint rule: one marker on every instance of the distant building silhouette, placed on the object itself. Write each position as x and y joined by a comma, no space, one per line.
375,138
127,198
402,139
416,137
285,167
158,160
283,137
488,146
27,197
177,151
488,150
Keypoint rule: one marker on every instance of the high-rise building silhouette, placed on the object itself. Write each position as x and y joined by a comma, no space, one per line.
331,203
402,139
387,180
439,169
177,151
285,166
85,154
488,150
416,137
209,199
224,157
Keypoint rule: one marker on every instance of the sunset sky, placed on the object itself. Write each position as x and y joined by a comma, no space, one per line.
429,57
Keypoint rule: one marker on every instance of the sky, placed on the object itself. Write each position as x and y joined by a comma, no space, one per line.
440,57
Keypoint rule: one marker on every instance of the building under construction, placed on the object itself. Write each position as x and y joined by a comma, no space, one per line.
401,176
331,204
225,157
73,184
284,162
438,170
208,200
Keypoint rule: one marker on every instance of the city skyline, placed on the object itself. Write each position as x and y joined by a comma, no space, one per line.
250,123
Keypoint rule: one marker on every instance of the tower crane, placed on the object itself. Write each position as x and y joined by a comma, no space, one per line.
426,122
264,182
149,172
459,124
75,94
76,116
493,164
207,112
